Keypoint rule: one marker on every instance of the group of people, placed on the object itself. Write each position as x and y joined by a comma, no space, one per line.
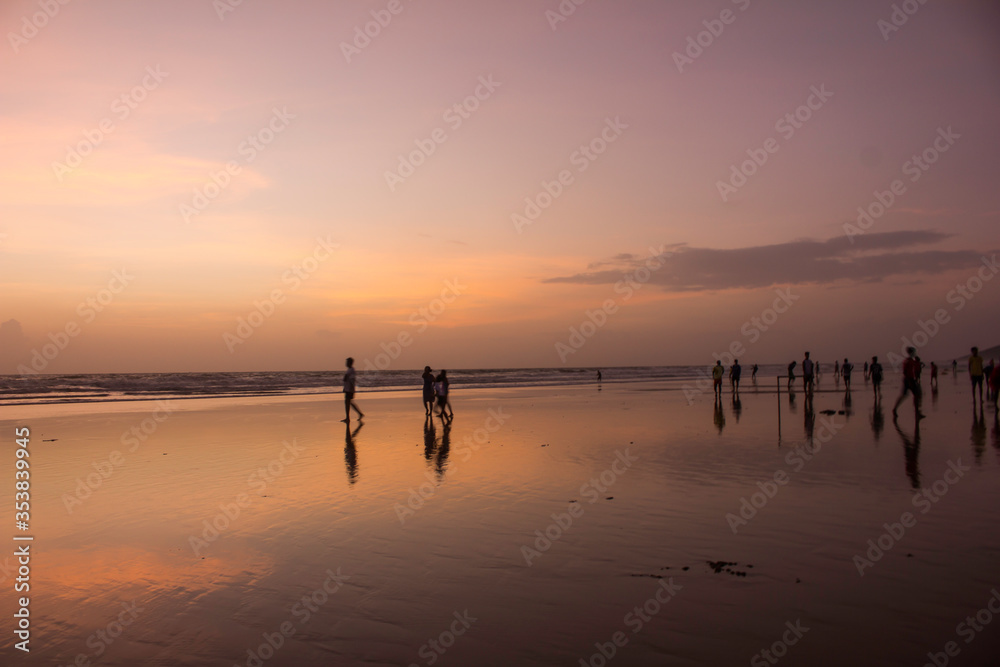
435,390
735,373
841,371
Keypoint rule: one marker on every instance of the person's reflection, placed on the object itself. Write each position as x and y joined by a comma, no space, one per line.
791,402
809,416
934,394
441,464
719,416
430,438
351,452
877,419
737,407
911,452
996,429
978,432
848,405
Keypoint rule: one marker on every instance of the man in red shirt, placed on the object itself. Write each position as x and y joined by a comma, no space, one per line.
911,384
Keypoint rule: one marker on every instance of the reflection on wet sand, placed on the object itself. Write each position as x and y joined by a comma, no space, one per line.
911,452
351,452
436,450
978,433
809,417
877,418
131,538
719,416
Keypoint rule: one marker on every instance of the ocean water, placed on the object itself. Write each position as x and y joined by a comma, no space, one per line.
32,389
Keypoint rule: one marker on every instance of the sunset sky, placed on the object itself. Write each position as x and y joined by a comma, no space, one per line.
116,116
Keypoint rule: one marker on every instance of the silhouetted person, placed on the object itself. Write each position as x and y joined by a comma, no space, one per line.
846,371
987,373
911,383
791,373
442,389
598,376
976,373
807,374
735,372
350,385
911,452
866,375
428,390
717,373
351,452
753,374
876,375
836,368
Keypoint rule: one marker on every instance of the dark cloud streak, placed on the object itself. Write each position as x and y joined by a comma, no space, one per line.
869,258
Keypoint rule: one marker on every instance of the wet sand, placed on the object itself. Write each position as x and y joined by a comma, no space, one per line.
398,545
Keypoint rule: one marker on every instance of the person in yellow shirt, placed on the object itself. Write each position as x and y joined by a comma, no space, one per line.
976,373
717,372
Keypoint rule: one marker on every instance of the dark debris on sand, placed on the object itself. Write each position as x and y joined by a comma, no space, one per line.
716,566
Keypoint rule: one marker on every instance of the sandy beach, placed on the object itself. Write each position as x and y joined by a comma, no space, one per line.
561,525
